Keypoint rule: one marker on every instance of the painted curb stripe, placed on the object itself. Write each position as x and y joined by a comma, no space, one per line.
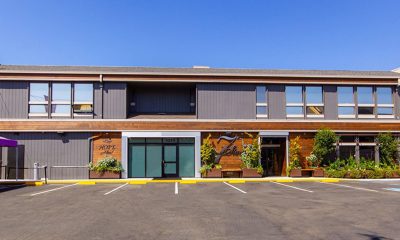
138,182
236,181
87,183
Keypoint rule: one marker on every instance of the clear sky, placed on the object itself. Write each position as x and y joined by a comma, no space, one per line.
283,34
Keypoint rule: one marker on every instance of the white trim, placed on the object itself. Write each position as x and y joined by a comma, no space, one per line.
314,105
385,105
346,105
262,115
367,144
366,105
366,116
273,133
386,116
295,115
38,102
38,114
61,102
82,103
347,116
261,104
294,104
60,114
315,116
163,134
352,144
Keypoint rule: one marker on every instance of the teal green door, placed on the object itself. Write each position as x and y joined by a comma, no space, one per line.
170,162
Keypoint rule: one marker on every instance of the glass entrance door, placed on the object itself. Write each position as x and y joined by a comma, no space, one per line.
170,161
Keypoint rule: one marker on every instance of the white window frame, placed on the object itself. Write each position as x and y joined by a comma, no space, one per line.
75,114
262,104
38,102
314,104
383,105
353,105
295,104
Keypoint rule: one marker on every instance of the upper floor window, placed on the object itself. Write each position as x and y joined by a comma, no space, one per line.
365,100
384,100
314,101
294,101
261,102
38,99
346,103
83,99
61,99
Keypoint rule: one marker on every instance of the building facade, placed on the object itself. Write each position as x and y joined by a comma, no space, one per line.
154,120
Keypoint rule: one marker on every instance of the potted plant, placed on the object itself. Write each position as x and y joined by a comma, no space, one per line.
207,152
251,167
314,163
294,169
108,167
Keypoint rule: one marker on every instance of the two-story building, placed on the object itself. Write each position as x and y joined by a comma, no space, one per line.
155,119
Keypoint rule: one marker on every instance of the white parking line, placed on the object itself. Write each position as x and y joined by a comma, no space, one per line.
115,189
347,186
176,188
297,188
240,190
54,189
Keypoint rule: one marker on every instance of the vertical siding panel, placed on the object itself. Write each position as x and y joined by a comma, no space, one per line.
115,101
13,99
277,101
226,101
330,102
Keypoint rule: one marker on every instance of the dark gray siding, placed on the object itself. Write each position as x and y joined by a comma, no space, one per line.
330,102
162,100
114,105
51,149
13,99
98,101
277,101
226,101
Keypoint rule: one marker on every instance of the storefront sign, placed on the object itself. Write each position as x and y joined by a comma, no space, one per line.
106,145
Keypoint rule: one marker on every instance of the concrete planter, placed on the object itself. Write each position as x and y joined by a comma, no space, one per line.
295,173
213,173
250,173
105,174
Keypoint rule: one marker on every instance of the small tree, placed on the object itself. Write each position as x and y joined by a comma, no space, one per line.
294,153
251,155
324,144
387,148
207,154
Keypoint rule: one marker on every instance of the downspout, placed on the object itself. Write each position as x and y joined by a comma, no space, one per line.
102,96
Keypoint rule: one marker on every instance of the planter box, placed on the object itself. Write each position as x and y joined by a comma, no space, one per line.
213,173
295,173
105,174
250,173
318,173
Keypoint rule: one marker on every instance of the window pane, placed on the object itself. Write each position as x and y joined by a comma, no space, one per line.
346,110
315,110
39,92
61,92
261,94
367,152
384,95
347,139
38,108
314,94
261,110
385,111
365,95
294,110
58,108
366,139
294,94
365,110
346,151
345,95
83,92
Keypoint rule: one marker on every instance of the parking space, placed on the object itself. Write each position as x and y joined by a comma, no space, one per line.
286,210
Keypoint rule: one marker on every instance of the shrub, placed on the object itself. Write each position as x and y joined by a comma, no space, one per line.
312,160
251,155
387,148
207,152
106,164
294,152
324,144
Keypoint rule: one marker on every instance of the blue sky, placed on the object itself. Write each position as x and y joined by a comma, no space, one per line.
283,34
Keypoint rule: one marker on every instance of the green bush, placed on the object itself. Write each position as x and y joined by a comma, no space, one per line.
106,164
324,144
251,155
387,148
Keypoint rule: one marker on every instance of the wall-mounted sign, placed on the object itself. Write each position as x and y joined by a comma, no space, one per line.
106,145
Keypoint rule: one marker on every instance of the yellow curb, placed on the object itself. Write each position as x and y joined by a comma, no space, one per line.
87,183
34,183
188,182
237,181
138,182
330,180
164,181
284,180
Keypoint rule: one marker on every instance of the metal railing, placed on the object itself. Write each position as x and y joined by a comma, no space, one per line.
23,173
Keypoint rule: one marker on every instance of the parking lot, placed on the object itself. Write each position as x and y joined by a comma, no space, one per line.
270,210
